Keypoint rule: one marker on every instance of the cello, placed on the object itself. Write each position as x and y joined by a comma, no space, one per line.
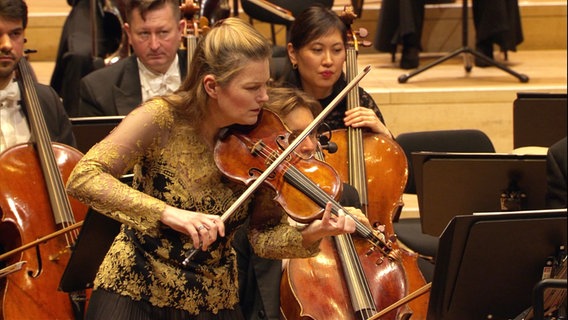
389,279
375,165
195,26
33,204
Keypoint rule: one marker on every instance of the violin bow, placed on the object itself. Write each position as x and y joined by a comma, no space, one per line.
252,188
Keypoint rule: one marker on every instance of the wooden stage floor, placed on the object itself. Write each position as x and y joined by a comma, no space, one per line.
546,71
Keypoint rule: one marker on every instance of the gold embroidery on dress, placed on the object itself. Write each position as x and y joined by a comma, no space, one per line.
171,165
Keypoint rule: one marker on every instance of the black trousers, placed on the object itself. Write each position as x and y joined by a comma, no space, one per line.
495,21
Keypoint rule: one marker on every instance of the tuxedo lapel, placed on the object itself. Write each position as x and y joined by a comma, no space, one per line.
128,93
182,58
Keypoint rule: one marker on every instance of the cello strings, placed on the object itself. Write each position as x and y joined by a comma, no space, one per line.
59,201
362,299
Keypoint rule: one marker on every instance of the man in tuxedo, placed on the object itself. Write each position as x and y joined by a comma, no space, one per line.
14,123
157,66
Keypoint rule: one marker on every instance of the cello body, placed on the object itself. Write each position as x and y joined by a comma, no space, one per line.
386,172
331,299
34,204
32,292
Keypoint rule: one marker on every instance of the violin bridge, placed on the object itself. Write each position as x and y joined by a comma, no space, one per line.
257,147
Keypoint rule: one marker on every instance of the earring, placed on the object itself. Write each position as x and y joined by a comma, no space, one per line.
294,66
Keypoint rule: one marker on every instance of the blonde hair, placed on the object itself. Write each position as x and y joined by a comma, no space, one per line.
282,100
223,52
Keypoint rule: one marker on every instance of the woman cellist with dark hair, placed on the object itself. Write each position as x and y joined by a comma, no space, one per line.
316,67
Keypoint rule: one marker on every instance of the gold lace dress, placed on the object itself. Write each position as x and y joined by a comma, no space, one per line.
172,165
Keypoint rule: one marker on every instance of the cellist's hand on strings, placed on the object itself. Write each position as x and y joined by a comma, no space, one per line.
328,225
361,117
202,228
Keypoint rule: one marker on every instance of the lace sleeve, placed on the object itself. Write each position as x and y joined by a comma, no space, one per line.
95,182
270,234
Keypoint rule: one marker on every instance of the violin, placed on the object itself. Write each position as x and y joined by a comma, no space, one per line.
298,194
276,160
553,304
33,204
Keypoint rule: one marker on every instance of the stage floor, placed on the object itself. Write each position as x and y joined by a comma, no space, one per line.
546,71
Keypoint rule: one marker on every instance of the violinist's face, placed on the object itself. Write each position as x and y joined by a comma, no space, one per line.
240,100
320,63
11,48
156,39
296,121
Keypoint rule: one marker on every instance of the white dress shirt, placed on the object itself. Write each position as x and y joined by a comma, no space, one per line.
159,84
14,127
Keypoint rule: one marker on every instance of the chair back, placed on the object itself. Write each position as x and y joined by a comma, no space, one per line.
296,7
460,140
539,119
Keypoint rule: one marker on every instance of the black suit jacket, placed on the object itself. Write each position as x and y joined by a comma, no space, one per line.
56,118
115,89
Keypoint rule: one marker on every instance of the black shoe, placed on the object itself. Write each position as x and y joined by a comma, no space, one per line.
487,50
409,59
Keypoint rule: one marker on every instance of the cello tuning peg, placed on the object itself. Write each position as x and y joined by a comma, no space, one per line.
365,43
393,238
362,32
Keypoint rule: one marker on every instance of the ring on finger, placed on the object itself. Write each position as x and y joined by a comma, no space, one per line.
200,227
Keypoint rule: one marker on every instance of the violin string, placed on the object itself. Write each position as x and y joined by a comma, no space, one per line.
305,184
300,181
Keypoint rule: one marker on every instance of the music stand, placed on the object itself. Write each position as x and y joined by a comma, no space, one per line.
466,50
488,265
539,119
90,130
450,184
94,240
